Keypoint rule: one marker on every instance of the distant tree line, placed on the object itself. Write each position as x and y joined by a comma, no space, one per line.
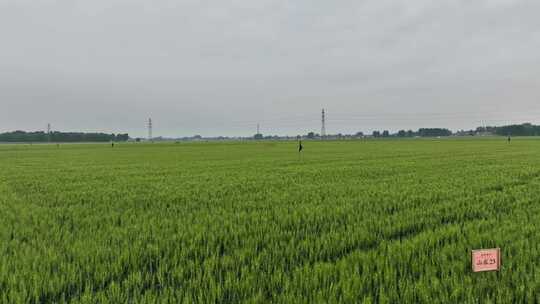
423,132
40,136
434,132
525,129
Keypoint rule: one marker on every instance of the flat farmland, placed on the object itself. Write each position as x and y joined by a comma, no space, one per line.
372,221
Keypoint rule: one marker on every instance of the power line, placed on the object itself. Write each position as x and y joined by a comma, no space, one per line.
357,120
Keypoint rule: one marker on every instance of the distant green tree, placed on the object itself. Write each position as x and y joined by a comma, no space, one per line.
525,129
385,133
433,132
122,137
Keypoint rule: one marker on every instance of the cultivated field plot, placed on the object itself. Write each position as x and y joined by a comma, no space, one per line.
354,221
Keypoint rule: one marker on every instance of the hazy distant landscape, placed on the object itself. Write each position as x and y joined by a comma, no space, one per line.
525,129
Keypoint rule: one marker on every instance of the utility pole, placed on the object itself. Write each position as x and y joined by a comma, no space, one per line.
49,132
150,138
323,125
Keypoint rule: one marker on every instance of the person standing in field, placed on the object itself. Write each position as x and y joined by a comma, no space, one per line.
300,148
509,139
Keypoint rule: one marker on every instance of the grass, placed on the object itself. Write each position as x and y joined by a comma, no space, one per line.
379,221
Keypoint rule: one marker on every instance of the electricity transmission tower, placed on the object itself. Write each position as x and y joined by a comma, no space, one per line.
150,138
323,125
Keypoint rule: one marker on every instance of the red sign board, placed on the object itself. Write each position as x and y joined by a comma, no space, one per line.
486,260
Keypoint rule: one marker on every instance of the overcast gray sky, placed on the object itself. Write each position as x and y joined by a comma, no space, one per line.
219,67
